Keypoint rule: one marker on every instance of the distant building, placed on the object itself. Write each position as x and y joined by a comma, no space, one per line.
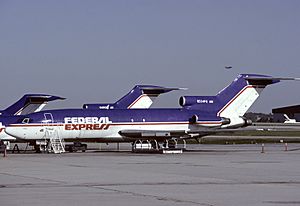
293,112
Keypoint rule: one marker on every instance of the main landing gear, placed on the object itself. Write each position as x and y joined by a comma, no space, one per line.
152,146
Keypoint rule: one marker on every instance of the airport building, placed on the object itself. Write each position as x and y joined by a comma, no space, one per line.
293,112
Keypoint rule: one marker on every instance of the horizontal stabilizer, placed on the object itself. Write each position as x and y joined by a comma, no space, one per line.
157,90
265,80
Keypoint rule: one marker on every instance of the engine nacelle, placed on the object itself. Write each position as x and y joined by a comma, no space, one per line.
247,122
225,121
222,120
186,101
194,119
238,122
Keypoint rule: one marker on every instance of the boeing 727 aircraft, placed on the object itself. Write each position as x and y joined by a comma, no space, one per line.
199,116
141,96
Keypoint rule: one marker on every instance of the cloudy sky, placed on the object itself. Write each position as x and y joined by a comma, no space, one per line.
96,51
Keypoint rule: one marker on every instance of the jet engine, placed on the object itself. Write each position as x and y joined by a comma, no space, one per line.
223,120
186,101
247,122
238,122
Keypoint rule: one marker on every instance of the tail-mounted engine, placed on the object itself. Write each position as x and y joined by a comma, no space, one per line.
186,101
238,122
247,122
219,121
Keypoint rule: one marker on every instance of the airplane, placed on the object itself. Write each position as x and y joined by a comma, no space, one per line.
29,103
197,117
141,96
288,120
228,67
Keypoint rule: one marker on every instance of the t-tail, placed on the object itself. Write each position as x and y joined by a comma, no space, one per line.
234,100
140,97
29,103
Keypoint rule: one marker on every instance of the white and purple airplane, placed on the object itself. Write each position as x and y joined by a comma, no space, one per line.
198,116
141,96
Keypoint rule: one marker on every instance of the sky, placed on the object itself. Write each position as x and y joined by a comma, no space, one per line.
94,51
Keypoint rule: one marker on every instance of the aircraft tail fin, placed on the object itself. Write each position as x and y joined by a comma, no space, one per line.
140,97
233,100
238,97
29,103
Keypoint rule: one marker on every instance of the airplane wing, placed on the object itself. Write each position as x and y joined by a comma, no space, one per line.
152,134
161,135
260,128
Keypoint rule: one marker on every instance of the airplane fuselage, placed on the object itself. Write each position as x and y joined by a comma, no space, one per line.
105,125
200,115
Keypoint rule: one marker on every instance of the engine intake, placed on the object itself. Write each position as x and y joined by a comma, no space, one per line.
225,121
194,119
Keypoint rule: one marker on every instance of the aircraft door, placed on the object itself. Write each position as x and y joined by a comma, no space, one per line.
48,119
48,125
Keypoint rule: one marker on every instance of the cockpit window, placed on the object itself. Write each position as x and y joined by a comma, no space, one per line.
25,120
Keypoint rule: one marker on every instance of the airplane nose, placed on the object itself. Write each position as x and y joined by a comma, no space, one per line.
15,132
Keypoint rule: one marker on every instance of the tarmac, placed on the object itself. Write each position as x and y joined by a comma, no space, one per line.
207,175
